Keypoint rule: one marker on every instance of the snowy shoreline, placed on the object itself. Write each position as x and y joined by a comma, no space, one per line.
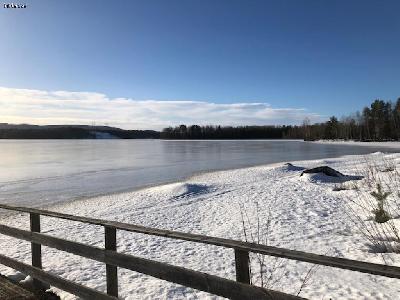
383,145
388,145
306,214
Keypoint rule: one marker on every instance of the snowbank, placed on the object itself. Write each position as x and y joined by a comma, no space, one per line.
302,213
391,145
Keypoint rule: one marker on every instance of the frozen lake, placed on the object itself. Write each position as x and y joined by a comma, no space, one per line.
43,172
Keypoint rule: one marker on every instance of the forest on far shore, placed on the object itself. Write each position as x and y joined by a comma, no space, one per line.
378,122
26,131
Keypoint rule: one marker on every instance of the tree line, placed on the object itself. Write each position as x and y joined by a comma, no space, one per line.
226,132
72,132
378,122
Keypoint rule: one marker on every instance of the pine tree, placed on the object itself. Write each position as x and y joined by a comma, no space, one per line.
381,215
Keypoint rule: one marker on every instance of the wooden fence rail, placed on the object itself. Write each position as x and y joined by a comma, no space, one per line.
239,289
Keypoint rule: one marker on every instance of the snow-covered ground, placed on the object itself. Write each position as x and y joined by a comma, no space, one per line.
393,145
296,212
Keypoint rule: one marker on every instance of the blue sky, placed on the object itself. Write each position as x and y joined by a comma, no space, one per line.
284,59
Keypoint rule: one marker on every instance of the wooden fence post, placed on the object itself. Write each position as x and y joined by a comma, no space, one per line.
111,271
242,266
36,249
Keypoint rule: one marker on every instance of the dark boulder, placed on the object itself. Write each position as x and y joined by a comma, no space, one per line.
291,167
325,170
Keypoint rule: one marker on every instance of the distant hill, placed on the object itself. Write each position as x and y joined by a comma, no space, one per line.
27,131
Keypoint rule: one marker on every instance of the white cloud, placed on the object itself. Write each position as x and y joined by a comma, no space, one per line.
63,107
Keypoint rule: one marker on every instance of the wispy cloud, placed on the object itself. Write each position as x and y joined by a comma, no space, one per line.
63,107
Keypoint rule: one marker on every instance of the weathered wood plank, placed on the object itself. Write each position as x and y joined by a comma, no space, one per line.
242,266
68,286
193,279
12,291
341,263
36,249
111,271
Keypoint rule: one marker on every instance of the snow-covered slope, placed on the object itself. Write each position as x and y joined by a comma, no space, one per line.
388,145
302,213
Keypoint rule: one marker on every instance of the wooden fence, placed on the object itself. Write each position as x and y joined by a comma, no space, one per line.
239,289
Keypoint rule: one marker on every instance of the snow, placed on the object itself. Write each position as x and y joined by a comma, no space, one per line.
301,213
388,145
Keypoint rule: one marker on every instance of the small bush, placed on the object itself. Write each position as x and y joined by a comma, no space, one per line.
345,187
373,211
381,215
389,169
